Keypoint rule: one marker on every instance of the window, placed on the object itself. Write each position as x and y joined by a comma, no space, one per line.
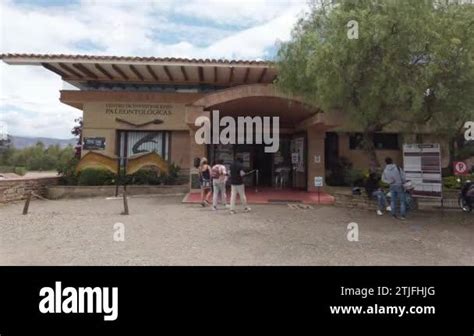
134,143
381,141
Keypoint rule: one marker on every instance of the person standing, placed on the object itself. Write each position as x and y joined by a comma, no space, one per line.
205,181
374,191
394,176
219,177
237,185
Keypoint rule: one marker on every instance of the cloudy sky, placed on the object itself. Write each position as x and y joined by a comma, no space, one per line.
29,105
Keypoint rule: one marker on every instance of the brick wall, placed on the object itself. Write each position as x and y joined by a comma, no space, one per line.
15,190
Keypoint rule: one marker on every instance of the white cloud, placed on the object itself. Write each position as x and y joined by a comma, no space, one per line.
196,29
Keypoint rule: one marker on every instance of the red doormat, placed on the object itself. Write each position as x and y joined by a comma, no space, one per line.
268,195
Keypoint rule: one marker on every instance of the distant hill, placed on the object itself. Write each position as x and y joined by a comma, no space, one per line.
23,142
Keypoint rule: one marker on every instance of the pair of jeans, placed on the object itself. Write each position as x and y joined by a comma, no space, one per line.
218,187
397,194
381,200
234,190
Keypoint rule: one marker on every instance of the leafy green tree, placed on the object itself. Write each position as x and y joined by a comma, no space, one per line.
405,64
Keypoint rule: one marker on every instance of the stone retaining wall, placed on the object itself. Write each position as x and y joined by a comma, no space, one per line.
57,192
16,190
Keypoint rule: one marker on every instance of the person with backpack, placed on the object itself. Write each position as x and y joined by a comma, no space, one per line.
205,181
394,176
219,176
237,185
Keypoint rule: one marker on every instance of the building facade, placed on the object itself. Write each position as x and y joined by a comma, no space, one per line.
134,105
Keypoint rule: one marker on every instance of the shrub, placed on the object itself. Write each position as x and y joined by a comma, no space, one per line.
20,171
336,176
7,169
145,176
451,182
354,177
95,177
173,174
67,171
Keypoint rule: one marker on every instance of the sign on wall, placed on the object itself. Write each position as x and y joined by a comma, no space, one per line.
95,143
422,165
133,115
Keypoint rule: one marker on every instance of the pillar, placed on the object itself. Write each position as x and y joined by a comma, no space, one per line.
316,166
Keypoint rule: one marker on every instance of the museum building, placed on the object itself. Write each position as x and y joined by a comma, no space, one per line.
135,105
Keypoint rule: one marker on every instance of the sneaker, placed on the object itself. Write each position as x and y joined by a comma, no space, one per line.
379,213
203,204
247,209
403,218
214,208
389,208
232,212
227,206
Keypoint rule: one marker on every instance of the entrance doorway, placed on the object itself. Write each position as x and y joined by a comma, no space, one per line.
284,169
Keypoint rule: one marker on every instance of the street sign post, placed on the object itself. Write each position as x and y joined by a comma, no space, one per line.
318,183
460,168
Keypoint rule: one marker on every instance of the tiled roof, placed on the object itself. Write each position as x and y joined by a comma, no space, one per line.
53,57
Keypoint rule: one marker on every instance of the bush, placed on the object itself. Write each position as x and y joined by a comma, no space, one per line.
336,176
145,176
173,174
20,171
152,176
451,182
95,177
7,169
67,172
354,177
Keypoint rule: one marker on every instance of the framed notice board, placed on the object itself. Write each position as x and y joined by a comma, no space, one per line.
422,165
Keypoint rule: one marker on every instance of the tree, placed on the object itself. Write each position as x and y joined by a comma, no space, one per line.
409,64
77,131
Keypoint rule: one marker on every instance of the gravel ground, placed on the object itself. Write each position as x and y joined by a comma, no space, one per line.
163,231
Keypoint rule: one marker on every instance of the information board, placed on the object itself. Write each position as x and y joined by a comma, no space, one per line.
422,166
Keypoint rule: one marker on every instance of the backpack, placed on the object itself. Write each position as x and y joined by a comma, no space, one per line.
216,172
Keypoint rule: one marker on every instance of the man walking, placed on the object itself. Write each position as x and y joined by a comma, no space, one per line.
219,177
237,185
395,177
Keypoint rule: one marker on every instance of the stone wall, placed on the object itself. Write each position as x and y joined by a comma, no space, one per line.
16,190
57,191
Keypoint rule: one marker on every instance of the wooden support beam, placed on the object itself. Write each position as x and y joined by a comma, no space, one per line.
70,70
201,74
53,69
84,70
246,77
120,72
215,74
264,72
136,72
167,72
231,74
105,72
152,72
183,72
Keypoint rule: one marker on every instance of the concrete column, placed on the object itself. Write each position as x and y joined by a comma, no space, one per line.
196,150
316,167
